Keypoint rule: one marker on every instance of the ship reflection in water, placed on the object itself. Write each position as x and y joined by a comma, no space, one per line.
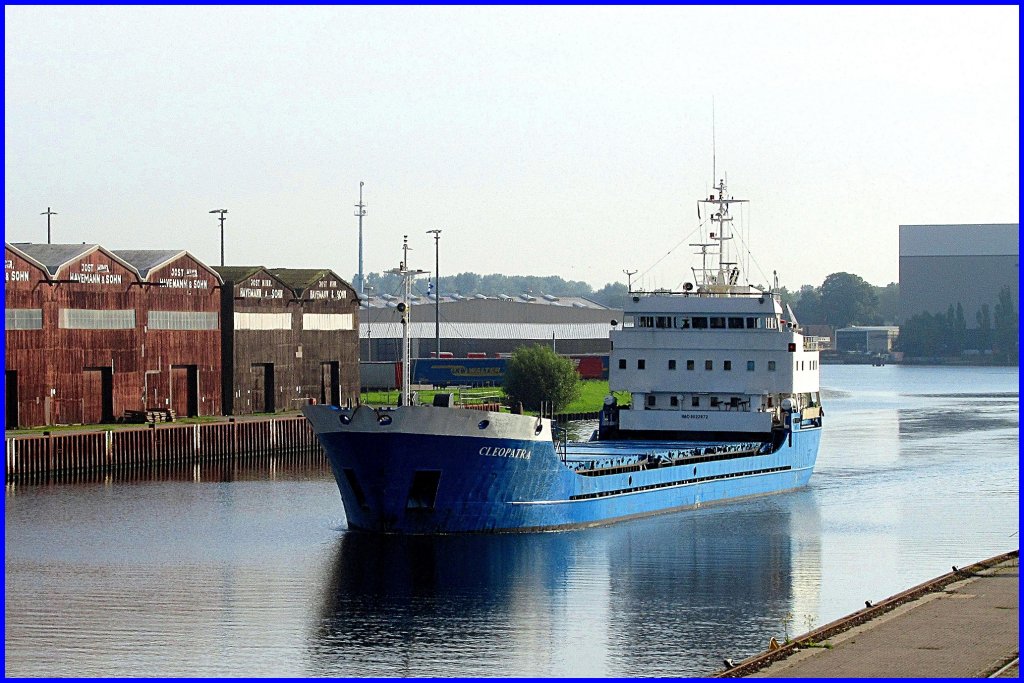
666,596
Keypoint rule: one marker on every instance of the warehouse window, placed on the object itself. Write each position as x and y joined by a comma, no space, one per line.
327,321
85,319
182,320
263,321
23,318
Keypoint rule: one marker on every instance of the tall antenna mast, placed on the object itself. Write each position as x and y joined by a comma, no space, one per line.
714,160
360,212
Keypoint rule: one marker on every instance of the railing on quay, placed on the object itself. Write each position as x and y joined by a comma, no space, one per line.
32,456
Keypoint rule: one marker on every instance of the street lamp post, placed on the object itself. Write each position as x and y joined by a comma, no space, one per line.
360,212
369,323
48,213
221,219
437,288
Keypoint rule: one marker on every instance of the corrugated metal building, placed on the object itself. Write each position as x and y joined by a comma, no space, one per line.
491,325
91,334
967,264
289,338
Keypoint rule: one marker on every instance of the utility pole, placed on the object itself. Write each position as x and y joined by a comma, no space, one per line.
630,274
221,219
437,288
360,212
48,213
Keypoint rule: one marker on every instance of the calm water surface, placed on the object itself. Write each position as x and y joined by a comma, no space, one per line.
247,570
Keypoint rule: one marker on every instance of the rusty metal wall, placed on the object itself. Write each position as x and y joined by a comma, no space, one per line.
184,285
296,355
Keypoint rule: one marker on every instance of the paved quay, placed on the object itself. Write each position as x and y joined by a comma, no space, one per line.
964,624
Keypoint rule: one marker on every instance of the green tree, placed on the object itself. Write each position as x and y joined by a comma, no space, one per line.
847,299
984,318
1007,328
807,307
536,373
888,303
612,295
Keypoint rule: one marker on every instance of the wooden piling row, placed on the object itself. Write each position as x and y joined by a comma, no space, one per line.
31,457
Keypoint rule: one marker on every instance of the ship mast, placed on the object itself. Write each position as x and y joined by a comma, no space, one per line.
407,276
720,276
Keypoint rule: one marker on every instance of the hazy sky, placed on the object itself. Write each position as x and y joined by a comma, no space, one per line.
569,141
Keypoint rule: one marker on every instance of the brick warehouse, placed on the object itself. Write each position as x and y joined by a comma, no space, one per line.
290,336
89,335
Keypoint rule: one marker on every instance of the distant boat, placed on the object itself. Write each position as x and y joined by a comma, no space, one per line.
725,404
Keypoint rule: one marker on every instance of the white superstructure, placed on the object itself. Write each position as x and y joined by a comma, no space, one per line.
717,358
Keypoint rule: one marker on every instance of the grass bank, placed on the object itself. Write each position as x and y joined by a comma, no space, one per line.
592,393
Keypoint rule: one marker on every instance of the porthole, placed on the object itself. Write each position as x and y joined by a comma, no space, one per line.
483,424
344,418
384,420
695,471
630,481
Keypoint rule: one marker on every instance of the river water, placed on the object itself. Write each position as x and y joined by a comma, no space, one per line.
234,570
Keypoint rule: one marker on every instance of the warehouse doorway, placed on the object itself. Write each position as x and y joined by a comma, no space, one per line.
97,395
262,391
330,383
11,399
185,390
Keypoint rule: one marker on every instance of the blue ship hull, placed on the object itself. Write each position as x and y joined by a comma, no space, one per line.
456,478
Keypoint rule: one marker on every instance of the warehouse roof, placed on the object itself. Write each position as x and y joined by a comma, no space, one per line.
301,279
53,257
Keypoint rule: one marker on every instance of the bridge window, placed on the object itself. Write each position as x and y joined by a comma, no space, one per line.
771,366
683,323
672,364
750,366
700,323
708,365
622,364
727,365
735,323
751,323
651,400
645,321
641,364
718,323
663,322
689,365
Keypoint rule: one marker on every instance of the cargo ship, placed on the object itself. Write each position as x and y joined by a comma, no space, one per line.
724,403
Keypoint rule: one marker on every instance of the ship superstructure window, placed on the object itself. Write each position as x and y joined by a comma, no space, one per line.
771,366
751,323
735,323
727,365
695,401
23,318
709,365
651,400
673,401
672,364
628,321
772,323
683,322
750,366
645,321
700,323
718,323
663,322
641,364
690,364
622,364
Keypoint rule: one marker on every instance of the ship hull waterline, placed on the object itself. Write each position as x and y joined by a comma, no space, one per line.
415,482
